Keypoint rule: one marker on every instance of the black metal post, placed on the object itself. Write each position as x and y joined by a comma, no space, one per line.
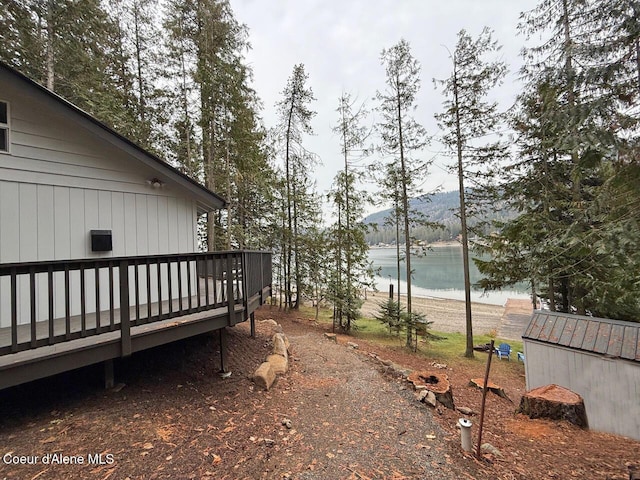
223,350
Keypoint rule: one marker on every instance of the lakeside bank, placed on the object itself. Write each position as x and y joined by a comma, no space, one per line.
448,315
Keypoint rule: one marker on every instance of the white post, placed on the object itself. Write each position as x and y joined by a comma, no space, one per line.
465,434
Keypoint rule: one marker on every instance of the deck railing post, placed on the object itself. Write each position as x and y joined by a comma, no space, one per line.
14,310
231,304
125,320
246,270
262,267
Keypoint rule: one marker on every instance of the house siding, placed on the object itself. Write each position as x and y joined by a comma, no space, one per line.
59,182
610,387
43,222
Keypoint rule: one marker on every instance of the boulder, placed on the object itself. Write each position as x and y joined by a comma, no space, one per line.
279,364
280,346
430,399
264,376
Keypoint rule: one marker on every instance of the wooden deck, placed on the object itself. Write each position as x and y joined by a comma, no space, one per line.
48,333
37,349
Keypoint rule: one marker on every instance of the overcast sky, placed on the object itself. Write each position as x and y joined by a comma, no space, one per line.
340,41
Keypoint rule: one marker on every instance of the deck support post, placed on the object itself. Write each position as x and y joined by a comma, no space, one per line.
252,320
223,350
109,377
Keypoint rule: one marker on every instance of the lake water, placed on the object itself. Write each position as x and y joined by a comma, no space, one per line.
437,274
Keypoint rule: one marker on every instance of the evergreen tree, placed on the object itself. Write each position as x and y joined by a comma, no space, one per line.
350,270
294,123
575,135
402,139
21,44
467,120
182,142
71,48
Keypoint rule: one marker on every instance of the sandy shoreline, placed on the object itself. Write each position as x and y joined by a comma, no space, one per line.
446,315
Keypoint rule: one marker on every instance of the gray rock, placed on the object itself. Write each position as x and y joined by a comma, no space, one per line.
287,423
465,411
420,395
279,364
430,399
355,346
487,447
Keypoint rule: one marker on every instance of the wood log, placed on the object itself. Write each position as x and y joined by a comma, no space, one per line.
492,387
435,382
554,402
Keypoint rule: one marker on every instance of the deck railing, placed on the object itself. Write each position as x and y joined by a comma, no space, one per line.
45,303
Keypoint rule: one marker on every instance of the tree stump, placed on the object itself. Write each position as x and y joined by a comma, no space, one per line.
497,389
435,382
556,403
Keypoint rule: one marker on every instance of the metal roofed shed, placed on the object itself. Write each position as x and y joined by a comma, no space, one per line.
597,358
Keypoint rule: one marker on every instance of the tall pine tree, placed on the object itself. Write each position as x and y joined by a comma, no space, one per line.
467,122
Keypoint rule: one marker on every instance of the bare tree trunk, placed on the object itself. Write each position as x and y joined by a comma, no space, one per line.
289,230
296,247
50,46
463,221
142,101
405,215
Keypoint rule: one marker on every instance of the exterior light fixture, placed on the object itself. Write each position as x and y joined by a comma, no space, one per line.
156,183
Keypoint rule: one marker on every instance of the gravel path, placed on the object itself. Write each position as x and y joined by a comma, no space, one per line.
352,422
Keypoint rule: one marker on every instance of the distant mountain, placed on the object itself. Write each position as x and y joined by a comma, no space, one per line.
440,207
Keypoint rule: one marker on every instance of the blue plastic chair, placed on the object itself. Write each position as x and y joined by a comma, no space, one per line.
504,351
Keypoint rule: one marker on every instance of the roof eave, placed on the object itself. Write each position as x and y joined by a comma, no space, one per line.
207,200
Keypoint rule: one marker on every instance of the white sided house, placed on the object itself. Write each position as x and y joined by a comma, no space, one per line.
597,358
71,188
64,174
98,237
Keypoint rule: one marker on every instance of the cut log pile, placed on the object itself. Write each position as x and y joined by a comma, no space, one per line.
554,402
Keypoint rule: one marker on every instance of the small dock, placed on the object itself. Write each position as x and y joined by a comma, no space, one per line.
516,317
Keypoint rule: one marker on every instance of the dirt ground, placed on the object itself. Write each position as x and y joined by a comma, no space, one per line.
173,417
